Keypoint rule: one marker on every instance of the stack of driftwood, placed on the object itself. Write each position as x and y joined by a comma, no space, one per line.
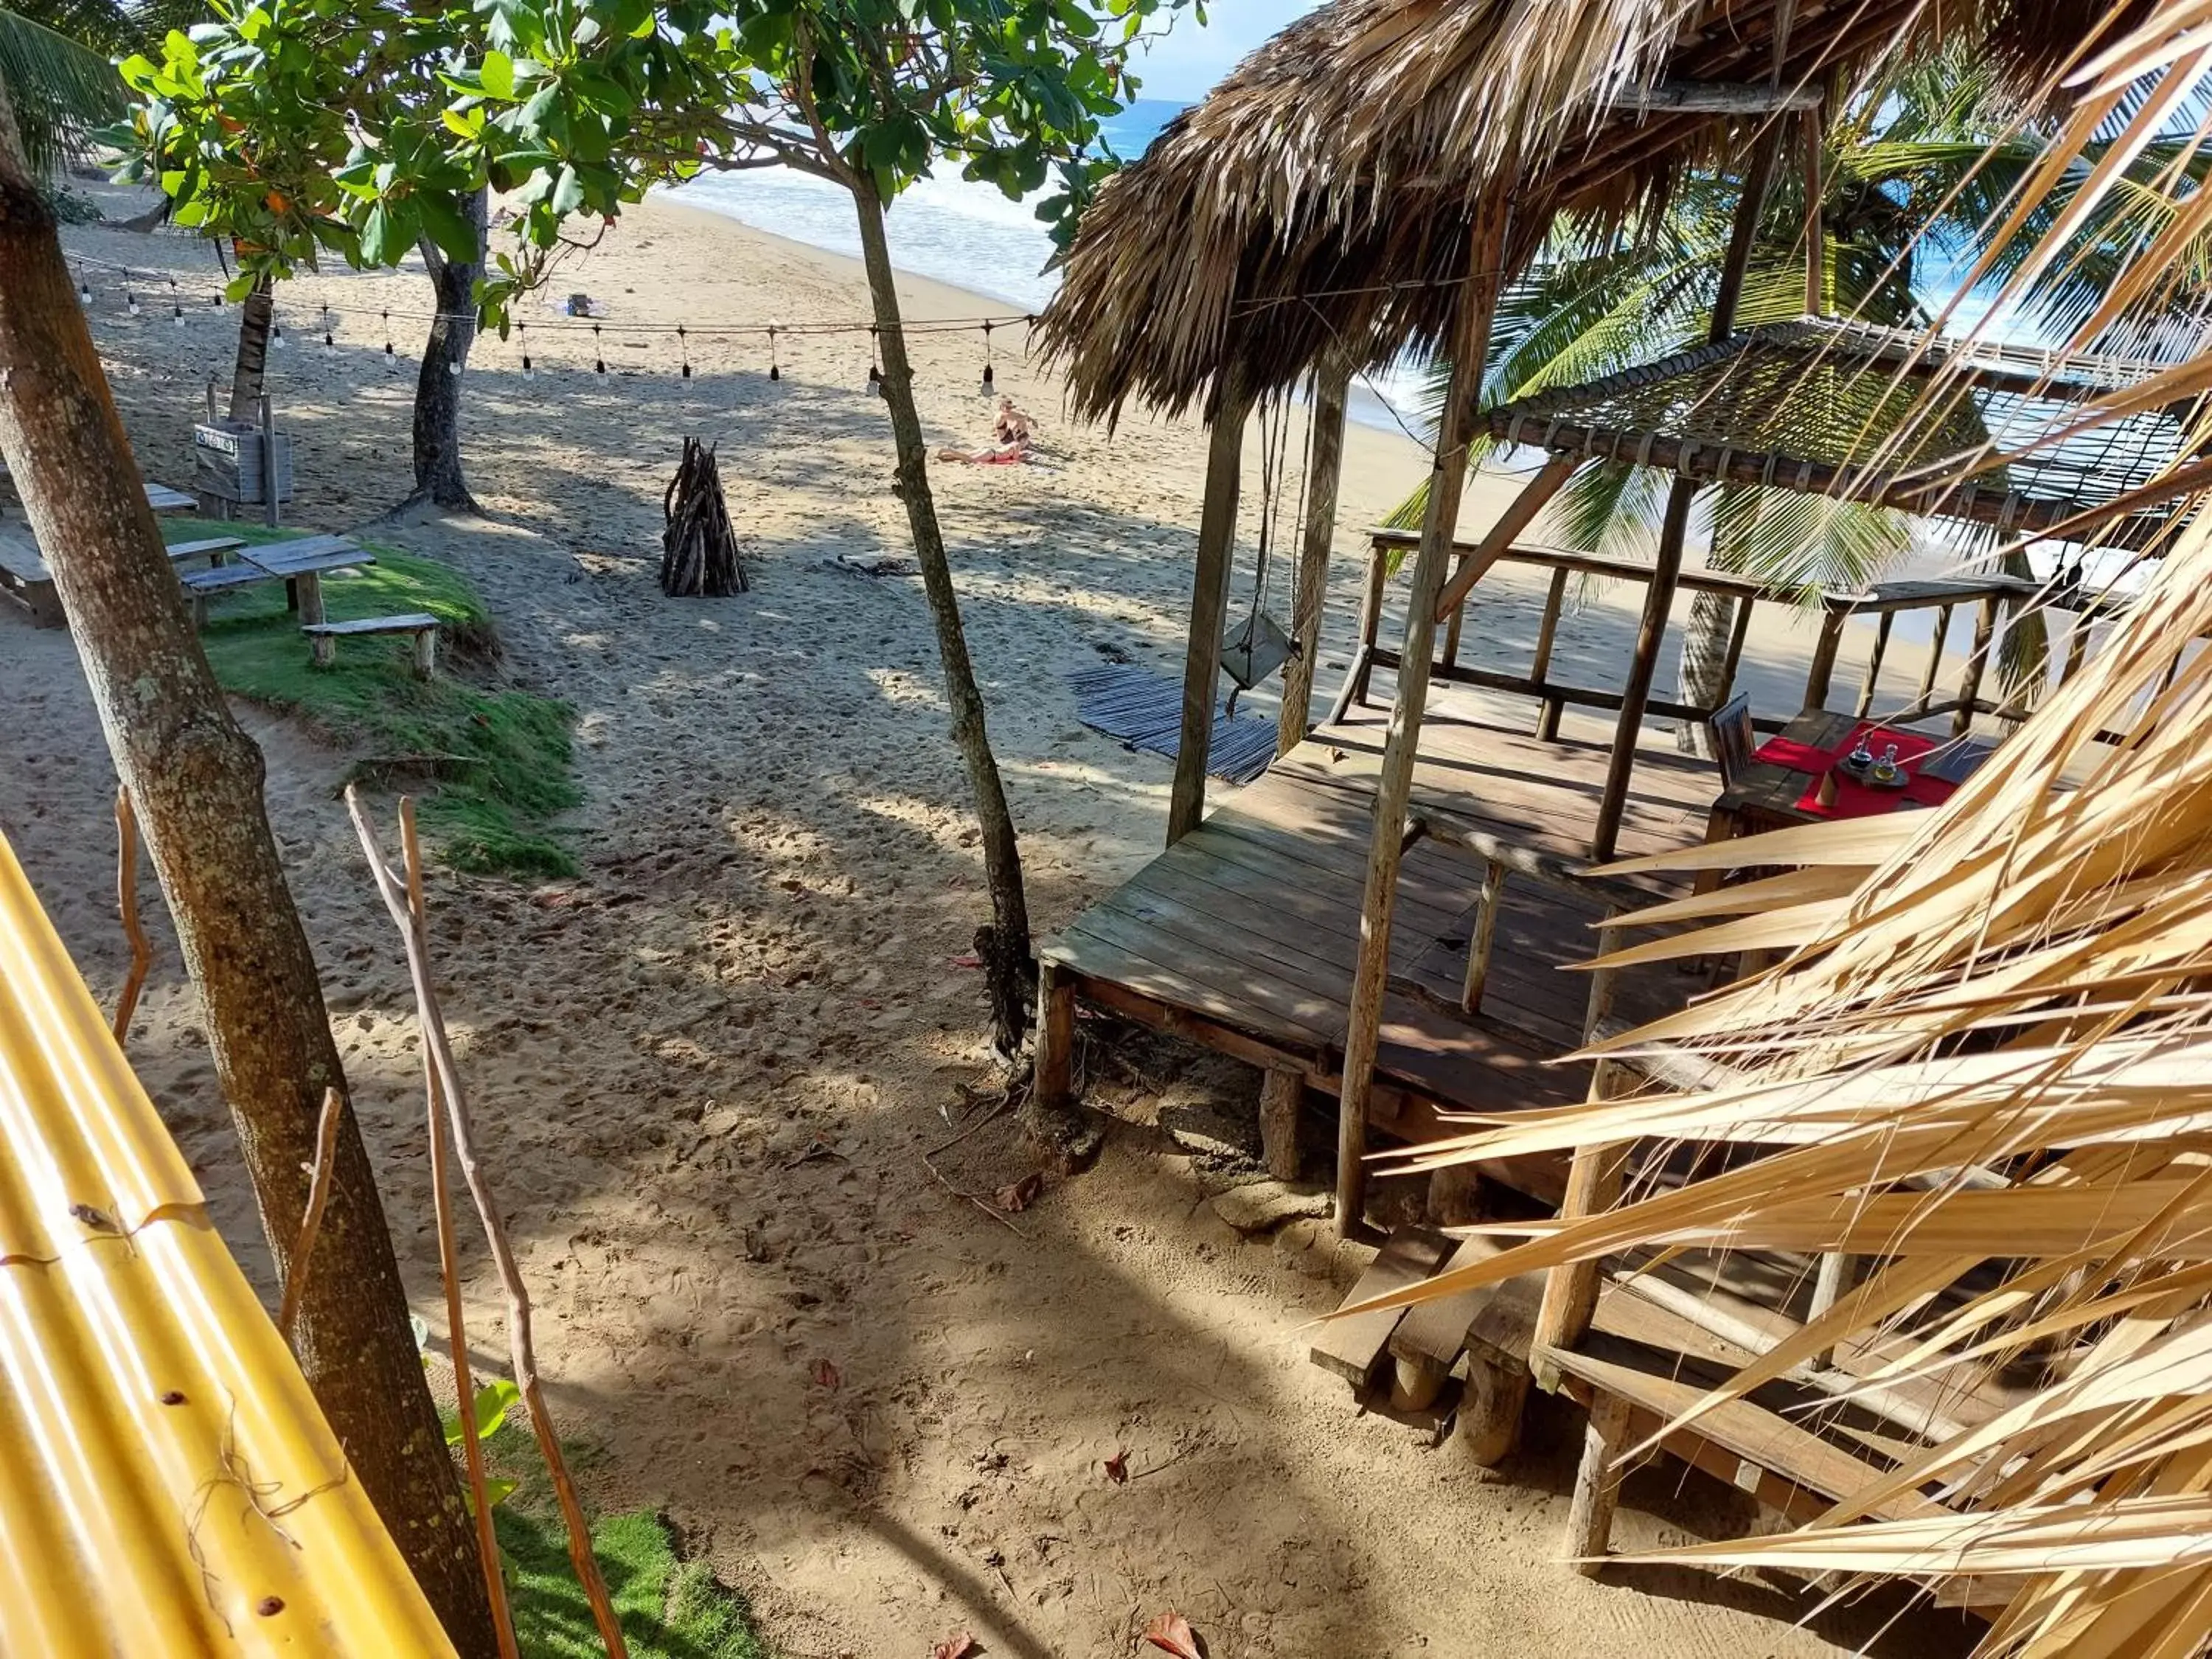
699,550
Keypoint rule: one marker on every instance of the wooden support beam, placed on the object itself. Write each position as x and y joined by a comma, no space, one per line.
1813,127
1394,785
1597,1483
1732,661
1054,1082
1821,670
1970,683
1594,1181
1209,609
1354,688
1324,466
1934,666
1281,1093
1517,517
1539,669
1643,666
1480,936
1882,630
1603,981
1717,98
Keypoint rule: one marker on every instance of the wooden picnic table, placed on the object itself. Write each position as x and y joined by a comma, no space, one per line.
159,496
299,563
1768,795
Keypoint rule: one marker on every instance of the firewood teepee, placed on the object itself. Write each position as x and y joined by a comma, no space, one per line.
699,550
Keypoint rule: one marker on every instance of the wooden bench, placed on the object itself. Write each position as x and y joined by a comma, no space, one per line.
323,637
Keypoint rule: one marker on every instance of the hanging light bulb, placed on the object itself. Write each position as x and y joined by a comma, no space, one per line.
522,339
599,352
83,288
875,374
220,299
276,335
129,302
684,350
453,367
987,376
176,304
391,357
330,346
775,368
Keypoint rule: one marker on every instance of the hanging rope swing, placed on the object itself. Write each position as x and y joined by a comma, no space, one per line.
1256,647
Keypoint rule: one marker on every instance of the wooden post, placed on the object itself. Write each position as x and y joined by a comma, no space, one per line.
1555,597
1822,668
1597,1484
1594,1181
1970,687
1643,666
269,514
1667,566
308,586
1324,466
1934,667
1209,607
426,653
1281,1092
1874,663
1602,981
1480,937
1393,786
1054,1082
1814,124
1837,1273
1738,631
1354,688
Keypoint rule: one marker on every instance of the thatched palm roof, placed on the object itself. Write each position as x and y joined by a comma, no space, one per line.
1323,192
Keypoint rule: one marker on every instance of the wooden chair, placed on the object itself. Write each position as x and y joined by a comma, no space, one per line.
1731,724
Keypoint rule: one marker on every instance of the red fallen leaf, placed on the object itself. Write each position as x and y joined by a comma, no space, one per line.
1117,1468
1023,1193
965,959
959,1645
826,1374
1172,1632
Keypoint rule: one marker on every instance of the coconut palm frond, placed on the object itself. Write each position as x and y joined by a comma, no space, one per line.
1804,543
61,90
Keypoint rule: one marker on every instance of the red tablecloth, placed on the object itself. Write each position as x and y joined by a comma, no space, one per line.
1855,799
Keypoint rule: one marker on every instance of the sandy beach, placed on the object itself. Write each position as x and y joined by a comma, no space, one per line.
707,1068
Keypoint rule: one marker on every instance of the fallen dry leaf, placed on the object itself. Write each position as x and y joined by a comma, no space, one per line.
1024,1193
959,1645
1172,1632
826,1374
1117,1468
965,959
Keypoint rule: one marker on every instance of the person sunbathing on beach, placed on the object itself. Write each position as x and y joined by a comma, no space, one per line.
1013,441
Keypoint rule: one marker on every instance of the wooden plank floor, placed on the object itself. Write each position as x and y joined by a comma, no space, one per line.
1251,923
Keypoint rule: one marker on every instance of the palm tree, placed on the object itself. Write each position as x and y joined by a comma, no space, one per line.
58,76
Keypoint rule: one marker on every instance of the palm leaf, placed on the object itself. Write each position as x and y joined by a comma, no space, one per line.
61,90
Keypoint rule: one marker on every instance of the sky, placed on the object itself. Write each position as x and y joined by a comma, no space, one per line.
1184,66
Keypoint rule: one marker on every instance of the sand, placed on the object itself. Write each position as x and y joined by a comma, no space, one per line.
708,1069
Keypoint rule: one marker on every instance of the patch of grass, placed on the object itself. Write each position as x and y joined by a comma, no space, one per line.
499,760
669,1608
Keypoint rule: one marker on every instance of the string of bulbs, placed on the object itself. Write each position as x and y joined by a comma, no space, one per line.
774,332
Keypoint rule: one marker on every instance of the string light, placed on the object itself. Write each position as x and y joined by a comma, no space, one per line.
599,352
775,368
129,302
684,348
875,374
330,346
521,338
83,288
391,357
276,335
986,358
176,303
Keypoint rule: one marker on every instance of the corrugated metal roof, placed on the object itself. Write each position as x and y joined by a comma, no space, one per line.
169,1487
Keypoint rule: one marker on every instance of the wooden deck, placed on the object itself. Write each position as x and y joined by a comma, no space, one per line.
1243,935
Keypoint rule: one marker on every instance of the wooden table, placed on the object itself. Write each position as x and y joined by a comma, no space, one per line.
1765,796
298,563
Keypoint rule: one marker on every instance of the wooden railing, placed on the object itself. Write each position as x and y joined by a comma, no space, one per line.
1991,596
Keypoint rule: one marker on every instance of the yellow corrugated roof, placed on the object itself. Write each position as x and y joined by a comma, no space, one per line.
169,1487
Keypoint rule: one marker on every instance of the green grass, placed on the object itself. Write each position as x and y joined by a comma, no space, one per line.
669,1608
499,760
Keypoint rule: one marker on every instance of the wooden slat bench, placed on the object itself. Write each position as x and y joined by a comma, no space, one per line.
323,637
299,563
215,550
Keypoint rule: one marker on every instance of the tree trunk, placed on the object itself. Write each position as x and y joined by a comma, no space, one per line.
438,477
254,318
1009,965
196,779
1704,654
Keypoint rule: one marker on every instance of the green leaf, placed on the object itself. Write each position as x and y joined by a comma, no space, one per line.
493,1402
568,191
498,74
383,240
